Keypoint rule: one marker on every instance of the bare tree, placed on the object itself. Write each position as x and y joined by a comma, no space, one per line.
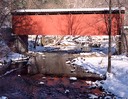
122,42
109,33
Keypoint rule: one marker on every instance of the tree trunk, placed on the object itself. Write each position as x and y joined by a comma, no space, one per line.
35,41
109,33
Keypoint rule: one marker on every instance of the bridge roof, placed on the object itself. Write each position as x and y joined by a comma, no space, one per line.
115,10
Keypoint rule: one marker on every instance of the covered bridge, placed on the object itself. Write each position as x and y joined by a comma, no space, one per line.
83,21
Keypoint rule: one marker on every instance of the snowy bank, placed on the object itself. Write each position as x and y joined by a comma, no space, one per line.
116,82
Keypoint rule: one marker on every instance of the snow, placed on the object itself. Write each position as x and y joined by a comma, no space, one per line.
67,91
116,82
67,10
19,75
41,83
91,96
3,97
16,56
73,78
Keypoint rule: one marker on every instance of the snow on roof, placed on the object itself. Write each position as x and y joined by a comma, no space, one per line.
63,10
72,10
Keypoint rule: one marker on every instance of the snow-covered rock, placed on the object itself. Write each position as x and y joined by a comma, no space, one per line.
73,78
3,97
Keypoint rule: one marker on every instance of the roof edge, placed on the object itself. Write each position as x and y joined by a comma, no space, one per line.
68,11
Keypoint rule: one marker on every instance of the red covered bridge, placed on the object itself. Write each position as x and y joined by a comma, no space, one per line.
85,21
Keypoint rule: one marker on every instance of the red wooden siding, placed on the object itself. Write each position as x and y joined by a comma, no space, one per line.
72,24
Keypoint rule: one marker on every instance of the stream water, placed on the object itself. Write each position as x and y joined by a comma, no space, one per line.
56,64
49,78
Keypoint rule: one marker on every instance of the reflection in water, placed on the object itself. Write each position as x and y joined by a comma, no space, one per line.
55,64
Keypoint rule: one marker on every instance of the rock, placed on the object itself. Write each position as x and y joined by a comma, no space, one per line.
43,77
67,92
4,68
19,75
41,83
73,78
3,97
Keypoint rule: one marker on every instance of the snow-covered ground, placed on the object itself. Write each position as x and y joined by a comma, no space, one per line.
72,43
116,82
14,57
